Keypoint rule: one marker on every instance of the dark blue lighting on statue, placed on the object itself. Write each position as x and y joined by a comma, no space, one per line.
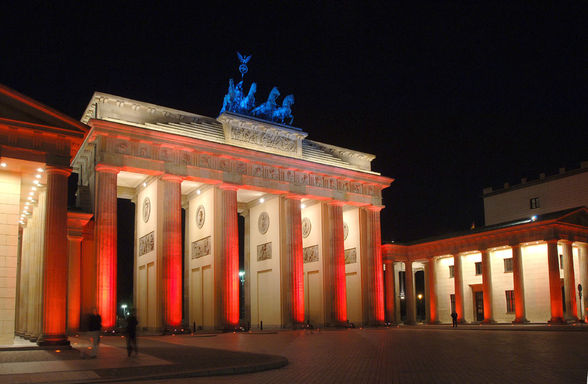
235,100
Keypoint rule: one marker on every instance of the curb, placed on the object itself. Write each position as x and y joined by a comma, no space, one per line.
221,371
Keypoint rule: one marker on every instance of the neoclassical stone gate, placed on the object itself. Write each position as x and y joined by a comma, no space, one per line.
312,218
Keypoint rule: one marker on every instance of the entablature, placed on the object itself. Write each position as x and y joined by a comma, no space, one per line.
145,151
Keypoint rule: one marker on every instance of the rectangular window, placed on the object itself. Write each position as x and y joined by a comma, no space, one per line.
452,301
560,261
510,301
534,202
451,271
479,268
508,265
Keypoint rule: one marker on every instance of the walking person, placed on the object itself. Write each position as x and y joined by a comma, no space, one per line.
94,328
454,320
132,334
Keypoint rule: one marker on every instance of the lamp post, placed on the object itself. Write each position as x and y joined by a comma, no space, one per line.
420,298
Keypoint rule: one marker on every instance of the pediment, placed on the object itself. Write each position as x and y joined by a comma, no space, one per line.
578,217
20,108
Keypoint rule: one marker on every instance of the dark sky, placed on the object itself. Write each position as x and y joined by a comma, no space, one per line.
450,97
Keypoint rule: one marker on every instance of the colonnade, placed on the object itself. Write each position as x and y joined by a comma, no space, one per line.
171,278
551,259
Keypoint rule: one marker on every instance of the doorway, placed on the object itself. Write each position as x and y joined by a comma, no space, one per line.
479,305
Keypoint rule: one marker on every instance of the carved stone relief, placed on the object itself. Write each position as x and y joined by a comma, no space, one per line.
306,227
200,216
263,223
350,256
146,209
310,254
146,244
264,251
201,247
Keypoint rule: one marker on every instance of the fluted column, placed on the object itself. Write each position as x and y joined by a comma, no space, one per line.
554,282
106,243
55,258
487,286
518,284
74,281
292,263
583,264
227,257
21,326
247,256
409,293
172,251
432,280
458,282
36,249
390,293
371,249
335,290
569,282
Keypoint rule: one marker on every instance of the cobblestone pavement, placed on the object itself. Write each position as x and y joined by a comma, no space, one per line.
407,355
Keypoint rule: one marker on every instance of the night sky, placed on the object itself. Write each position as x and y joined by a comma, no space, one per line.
451,98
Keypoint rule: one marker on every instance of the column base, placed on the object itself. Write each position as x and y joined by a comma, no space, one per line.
556,321
57,340
520,321
435,322
410,322
489,321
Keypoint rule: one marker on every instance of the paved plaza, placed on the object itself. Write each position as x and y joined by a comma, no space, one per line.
390,355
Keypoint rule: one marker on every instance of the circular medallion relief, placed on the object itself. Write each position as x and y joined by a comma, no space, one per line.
306,227
345,231
200,216
263,223
146,209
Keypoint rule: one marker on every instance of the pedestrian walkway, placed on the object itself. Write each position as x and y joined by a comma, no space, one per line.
157,359
399,354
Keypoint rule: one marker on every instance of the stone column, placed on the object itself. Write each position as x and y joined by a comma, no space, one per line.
390,293
554,283
458,282
227,257
106,240
21,326
36,248
172,252
334,292
518,284
432,275
55,258
292,263
371,256
569,282
583,262
487,286
247,256
74,281
409,293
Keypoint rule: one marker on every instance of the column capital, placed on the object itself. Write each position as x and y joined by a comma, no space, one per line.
373,208
107,168
552,241
65,171
293,196
172,178
78,237
336,203
228,187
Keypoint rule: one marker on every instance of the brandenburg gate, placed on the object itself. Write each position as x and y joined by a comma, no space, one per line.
312,246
